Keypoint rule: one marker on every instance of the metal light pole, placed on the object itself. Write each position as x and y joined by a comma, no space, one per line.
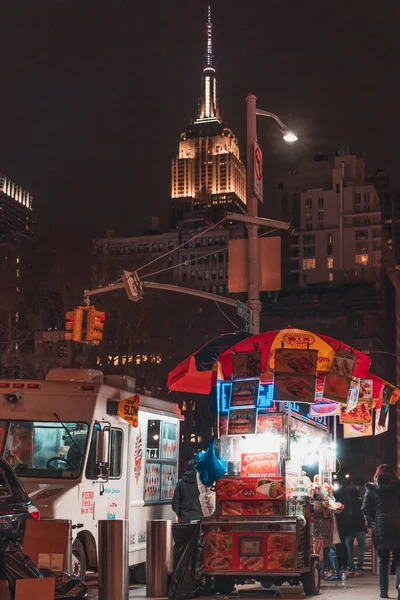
253,300
252,204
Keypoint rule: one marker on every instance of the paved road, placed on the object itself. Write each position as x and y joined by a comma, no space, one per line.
360,587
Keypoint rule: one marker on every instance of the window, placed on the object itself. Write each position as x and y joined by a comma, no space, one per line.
320,203
62,349
308,204
200,274
357,203
308,264
331,276
221,257
170,245
362,234
48,451
192,275
146,247
367,206
154,247
220,273
160,247
200,260
330,262
161,455
362,259
206,274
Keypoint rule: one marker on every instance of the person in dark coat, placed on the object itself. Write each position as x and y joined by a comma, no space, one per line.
381,508
192,500
355,527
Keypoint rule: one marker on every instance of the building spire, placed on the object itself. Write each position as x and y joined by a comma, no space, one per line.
209,55
208,107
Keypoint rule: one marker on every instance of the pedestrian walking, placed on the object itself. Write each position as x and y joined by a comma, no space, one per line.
355,528
381,508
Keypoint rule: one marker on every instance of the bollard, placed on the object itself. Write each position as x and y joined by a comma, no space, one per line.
159,557
113,560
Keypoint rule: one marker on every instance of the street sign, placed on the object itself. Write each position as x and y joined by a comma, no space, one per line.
246,313
258,173
128,410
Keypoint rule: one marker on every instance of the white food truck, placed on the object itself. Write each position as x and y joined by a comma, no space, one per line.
80,461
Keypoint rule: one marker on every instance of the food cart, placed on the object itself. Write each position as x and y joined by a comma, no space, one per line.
263,524
275,394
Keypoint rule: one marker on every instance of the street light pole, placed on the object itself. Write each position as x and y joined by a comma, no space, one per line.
253,299
252,209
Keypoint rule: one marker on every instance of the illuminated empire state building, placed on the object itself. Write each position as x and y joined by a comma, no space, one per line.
208,177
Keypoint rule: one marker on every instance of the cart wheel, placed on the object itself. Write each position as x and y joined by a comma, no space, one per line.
312,580
267,584
224,585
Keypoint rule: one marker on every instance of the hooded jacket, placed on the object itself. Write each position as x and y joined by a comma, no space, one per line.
381,507
192,500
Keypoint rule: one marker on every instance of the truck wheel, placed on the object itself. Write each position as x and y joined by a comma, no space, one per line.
78,560
224,585
312,580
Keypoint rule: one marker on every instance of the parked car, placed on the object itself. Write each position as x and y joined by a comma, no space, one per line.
15,505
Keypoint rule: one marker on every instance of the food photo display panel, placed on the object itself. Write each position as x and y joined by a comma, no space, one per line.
245,393
242,421
295,375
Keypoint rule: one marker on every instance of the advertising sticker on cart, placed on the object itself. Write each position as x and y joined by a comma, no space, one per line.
264,464
272,488
239,551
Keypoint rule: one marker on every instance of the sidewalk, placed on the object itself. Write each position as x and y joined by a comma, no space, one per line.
360,587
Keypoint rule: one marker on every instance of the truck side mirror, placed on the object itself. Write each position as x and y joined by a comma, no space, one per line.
103,453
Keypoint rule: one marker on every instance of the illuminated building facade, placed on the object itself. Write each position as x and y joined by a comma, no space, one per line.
15,209
208,177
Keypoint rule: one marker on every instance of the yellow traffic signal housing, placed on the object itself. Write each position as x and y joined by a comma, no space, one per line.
74,324
94,325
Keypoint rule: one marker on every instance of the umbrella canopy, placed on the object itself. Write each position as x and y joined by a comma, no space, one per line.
299,339
194,374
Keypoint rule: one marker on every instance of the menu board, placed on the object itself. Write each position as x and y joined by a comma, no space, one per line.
295,374
359,415
366,390
354,430
169,441
245,393
249,551
168,481
152,482
246,364
337,381
250,488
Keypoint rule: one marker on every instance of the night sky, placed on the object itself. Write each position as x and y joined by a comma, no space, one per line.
94,95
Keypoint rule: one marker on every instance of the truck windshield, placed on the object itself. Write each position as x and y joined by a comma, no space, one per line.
44,449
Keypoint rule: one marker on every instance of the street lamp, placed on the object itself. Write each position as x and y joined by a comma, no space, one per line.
287,134
252,207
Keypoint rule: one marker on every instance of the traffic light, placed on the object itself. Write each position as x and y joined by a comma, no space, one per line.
74,324
94,325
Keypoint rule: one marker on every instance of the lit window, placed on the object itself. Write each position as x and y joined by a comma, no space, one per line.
17,317
308,264
330,276
138,359
362,259
17,272
17,260
116,361
330,262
